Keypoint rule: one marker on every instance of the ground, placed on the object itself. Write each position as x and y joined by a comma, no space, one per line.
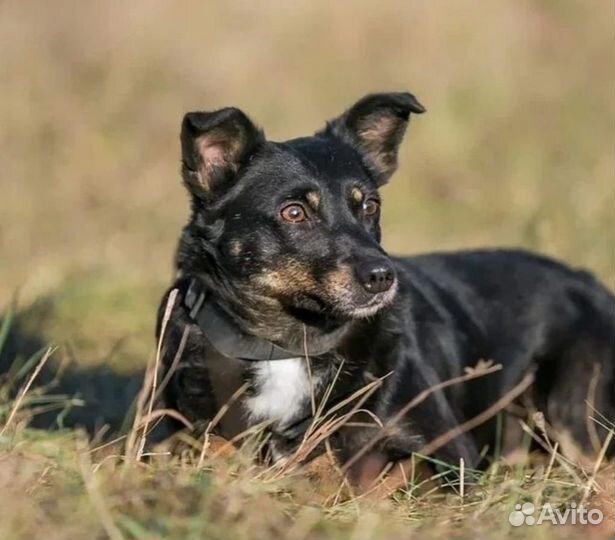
515,149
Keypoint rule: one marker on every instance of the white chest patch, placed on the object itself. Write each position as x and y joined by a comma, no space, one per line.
281,390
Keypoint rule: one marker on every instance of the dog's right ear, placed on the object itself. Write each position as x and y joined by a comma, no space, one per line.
215,145
375,126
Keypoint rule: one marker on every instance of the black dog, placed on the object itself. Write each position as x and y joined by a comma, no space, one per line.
281,259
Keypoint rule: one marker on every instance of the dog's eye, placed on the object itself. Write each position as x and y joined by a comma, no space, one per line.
371,207
293,213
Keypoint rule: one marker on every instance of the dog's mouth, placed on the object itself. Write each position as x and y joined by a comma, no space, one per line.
373,305
334,311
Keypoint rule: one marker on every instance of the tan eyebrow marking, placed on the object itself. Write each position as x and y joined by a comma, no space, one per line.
313,198
357,194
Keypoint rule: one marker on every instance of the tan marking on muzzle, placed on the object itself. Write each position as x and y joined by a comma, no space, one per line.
288,277
339,281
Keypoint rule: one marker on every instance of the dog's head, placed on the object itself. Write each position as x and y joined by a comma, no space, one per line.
292,229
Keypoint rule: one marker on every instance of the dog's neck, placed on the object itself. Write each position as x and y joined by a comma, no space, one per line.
236,333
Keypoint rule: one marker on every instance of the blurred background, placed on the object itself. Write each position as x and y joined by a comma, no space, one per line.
516,148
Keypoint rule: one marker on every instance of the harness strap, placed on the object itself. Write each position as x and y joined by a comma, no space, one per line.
230,340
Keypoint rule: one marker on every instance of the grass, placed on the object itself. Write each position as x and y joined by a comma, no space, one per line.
73,485
516,149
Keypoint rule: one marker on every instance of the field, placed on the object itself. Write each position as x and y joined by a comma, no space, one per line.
516,149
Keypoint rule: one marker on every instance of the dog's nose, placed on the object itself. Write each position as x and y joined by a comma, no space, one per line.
376,277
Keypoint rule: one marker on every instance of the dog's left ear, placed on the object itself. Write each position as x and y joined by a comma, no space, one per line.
375,126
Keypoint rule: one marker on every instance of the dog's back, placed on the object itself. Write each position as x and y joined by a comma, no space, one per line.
526,312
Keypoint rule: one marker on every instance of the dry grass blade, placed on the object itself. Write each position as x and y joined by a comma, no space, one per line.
160,413
364,392
26,388
309,370
324,425
165,321
148,389
175,363
131,439
545,443
322,434
462,478
252,431
477,420
106,444
327,394
552,459
590,406
599,460
216,419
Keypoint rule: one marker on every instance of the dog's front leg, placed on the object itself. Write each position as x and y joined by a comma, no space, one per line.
412,413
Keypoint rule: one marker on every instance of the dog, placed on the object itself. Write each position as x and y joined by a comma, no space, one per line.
285,306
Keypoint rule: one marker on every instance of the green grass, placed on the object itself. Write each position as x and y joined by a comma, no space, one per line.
516,149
